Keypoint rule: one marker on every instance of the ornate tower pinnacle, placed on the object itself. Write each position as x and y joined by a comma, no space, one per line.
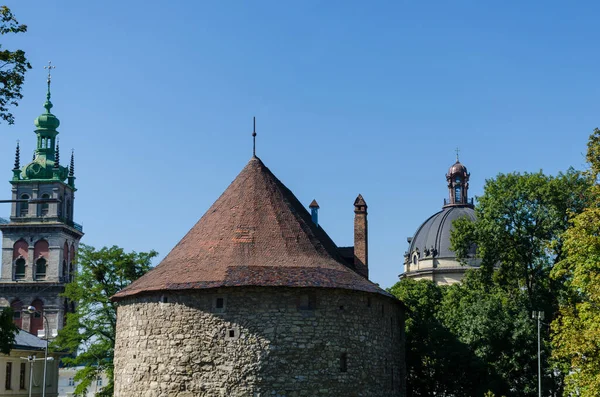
57,155
17,157
72,166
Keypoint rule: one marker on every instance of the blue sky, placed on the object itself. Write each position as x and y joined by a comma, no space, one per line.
157,99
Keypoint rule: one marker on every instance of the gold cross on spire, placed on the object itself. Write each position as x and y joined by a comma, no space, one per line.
457,150
49,67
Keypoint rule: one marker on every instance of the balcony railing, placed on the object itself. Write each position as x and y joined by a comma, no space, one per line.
45,218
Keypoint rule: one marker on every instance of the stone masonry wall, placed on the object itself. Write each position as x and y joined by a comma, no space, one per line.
258,342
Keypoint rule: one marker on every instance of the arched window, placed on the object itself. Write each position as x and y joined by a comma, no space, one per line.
20,253
65,269
45,206
457,191
72,260
37,320
20,269
24,206
40,269
17,306
41,252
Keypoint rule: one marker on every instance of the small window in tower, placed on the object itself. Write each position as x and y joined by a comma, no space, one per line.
20,269
307,301
415,258
457,194
24,205
219,304
40,269
457,180
232,333
45,206
344,362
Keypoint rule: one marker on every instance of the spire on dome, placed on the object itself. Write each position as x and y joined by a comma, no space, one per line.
47,121
48,104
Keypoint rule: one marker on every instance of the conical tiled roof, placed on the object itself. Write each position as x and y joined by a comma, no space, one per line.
256,234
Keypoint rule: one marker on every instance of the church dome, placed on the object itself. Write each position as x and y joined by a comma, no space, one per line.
457,168
433,236
47,121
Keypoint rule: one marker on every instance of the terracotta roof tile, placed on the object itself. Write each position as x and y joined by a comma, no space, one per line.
256,234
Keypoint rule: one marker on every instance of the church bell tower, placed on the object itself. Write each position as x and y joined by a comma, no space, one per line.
40,241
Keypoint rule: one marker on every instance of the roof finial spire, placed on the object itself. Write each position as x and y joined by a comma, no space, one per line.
17,157
72,167
48,104
254,138
57,156
457,150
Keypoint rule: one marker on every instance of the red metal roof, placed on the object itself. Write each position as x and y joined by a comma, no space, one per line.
256,234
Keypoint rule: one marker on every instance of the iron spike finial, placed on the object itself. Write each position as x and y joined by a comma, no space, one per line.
457,150
254,138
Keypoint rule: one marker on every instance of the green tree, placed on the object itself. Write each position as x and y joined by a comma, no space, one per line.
13,65
8,330
576,329
91,328
498,331
519,234
437,363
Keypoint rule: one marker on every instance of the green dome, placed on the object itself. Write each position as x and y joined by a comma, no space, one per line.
47,121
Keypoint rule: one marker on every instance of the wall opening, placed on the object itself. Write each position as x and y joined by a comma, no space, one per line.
344,362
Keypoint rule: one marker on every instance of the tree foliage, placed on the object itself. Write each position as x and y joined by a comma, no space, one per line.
576,330
91,328
438,364
13,65
519,235
498,331
8,330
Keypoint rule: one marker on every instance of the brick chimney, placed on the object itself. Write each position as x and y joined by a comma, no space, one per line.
361,240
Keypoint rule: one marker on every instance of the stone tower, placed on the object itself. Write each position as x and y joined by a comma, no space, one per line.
40,241
429,255
257,300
